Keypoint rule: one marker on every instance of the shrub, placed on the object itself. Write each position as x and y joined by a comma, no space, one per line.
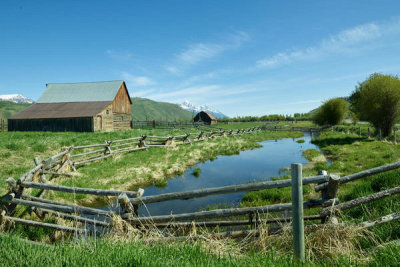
378,100
332,112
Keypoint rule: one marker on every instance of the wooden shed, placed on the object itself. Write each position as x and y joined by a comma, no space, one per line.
77,107
204,117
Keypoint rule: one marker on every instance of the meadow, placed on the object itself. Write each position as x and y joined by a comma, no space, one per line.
347,153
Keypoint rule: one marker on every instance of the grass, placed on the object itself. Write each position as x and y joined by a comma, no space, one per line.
349,154
124,171
196,172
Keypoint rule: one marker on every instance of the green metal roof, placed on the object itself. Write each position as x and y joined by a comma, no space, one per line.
80,92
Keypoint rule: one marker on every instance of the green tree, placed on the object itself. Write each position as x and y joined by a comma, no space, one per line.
377,100
332,112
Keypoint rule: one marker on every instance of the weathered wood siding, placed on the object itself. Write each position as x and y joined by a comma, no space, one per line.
121,103
54,125
104,120
121,121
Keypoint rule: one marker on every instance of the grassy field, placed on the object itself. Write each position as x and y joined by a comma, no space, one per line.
123,171
348,153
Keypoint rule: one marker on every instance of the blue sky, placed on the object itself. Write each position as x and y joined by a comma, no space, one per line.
241,57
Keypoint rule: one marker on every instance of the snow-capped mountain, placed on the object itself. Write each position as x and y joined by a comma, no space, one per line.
193,108
16,98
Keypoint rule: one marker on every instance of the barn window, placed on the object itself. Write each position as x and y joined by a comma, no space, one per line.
107,111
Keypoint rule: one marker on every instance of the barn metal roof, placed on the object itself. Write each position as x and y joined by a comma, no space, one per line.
61,110
80,92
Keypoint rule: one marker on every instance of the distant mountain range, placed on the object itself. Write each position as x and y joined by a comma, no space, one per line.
187,105
16,98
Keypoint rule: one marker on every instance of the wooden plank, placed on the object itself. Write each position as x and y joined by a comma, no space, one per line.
220,213
380,220
223,223
297,204
59,207
362,174
46,225
226,190
75,218
77,190
359,201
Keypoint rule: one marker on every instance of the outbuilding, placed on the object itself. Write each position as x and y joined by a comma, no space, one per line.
204,117
77,107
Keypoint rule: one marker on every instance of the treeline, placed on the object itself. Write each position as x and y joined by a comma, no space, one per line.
376,100
272,117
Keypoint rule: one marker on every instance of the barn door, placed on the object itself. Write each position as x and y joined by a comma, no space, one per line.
99,123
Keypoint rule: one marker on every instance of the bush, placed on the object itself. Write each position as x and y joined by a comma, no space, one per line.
378,100
332,112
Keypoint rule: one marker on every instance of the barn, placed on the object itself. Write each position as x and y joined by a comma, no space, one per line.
204,117
77,107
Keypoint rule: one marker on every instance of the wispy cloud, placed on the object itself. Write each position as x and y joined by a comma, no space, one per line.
346,41
198,52
119,55
304,102
137,80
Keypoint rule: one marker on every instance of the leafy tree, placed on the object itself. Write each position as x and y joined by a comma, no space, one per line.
377,100
331,112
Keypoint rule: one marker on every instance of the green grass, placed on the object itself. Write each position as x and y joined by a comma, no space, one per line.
124,171
349,154
311,154
15,252
196,172
241,125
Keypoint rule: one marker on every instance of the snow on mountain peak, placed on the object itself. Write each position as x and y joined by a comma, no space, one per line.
16,98
193,108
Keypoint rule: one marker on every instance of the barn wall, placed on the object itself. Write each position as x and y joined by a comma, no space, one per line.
103,121
121,121
54,125
121,103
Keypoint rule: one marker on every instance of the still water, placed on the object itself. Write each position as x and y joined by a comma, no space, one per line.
259,164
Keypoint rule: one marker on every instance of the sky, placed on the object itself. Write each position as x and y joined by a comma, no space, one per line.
240,57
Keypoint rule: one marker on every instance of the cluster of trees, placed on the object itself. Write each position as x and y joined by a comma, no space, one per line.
272,117
376,100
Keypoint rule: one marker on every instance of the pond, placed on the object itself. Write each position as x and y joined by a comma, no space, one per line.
259,164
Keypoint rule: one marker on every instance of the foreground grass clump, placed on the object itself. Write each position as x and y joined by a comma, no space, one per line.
106,252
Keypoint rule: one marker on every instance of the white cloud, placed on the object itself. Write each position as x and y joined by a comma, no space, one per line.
346,41
137,80
119,55
142,93
172,70
198,52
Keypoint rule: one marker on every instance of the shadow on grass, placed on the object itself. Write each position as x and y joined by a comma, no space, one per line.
323,142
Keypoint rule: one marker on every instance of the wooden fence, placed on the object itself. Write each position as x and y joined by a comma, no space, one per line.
129,201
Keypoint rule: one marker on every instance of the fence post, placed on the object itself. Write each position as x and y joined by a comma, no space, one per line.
297,211
369,135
